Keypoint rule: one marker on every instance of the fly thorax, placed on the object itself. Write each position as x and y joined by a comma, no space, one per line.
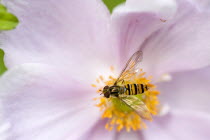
114,90
122,90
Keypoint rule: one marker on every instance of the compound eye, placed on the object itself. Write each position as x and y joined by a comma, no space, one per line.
106,87
107,94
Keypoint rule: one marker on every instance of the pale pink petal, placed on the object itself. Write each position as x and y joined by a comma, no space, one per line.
182,44
55,32
41,102
4,125
133,23
98,131
187,90
179,125
203,4
133,135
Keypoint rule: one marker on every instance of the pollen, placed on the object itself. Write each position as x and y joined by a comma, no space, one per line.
112,68
119,116
93,85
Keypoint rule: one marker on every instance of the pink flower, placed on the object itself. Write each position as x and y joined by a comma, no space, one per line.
61,47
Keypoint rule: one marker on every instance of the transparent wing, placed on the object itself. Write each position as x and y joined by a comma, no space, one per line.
137,105
130,67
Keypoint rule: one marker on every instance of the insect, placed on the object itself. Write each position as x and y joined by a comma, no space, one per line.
126,92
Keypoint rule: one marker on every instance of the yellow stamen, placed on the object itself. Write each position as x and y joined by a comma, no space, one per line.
111,78
93,85
112,69
119,115
101,78
97,80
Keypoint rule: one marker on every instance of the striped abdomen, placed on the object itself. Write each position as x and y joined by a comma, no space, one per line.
133,89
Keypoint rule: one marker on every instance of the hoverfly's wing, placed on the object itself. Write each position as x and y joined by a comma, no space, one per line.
137,105
130,67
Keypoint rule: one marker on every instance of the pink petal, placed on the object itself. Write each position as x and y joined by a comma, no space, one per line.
187,90
179,125
98,131
4,125
203,5
133,23
55,32
133,135
182,44
41,102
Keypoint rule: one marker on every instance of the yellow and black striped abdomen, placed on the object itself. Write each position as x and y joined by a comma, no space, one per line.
133,89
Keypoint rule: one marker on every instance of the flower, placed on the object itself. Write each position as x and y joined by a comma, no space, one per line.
60,48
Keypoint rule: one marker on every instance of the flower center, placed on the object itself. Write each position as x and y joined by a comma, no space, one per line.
119,115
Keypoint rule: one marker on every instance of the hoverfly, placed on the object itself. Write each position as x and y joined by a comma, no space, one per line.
126,92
